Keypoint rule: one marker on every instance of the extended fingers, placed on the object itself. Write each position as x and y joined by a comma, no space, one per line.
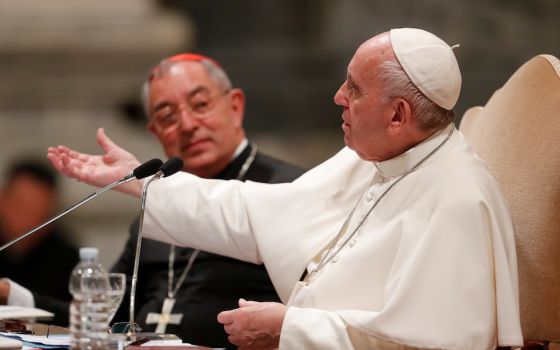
68,166
65,151
53,155
104,141
58,156
82,157
75,167
62,149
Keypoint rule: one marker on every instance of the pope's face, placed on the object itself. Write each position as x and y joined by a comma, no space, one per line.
195,119
365,109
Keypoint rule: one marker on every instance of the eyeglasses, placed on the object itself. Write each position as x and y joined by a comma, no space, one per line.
199,107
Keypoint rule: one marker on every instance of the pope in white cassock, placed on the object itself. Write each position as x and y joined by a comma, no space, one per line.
401,240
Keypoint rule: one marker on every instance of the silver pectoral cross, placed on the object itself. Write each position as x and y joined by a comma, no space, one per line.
166,317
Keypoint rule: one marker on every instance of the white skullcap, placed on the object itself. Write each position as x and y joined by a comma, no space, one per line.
430,63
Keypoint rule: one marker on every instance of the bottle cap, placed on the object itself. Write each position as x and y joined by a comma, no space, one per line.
89,253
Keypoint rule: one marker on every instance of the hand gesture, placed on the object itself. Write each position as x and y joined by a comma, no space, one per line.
97,170
254,325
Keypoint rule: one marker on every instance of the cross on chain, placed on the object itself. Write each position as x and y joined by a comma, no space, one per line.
166,317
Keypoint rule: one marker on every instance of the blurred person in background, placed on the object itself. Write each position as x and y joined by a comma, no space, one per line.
42,262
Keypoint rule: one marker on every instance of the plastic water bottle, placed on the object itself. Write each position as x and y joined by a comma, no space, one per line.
88,309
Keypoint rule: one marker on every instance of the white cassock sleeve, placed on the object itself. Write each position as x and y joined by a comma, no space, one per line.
258,222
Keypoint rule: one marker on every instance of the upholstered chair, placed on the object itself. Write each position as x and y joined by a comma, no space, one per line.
517,133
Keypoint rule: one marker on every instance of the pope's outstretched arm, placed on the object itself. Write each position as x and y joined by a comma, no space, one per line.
97,170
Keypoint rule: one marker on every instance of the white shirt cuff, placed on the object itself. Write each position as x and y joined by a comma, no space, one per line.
19,296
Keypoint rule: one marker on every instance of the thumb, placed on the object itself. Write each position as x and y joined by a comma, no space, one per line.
104,141
226,317
246,303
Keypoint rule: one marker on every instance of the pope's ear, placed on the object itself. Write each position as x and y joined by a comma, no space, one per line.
401,114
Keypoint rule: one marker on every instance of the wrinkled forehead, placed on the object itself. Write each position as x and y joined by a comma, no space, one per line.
368,57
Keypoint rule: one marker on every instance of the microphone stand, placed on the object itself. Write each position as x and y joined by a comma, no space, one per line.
132,328
85,200
170,167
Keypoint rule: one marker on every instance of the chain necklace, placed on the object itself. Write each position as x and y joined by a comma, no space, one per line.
171,292
166,316
332,253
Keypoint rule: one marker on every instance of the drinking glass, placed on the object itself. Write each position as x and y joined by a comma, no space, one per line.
115,293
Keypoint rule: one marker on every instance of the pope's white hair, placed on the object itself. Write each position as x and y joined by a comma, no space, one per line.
396,83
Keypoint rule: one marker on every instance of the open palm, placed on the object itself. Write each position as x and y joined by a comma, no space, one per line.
96,170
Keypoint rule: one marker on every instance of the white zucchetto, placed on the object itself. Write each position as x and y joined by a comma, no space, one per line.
429,63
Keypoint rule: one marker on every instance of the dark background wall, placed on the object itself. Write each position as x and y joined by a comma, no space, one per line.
291,55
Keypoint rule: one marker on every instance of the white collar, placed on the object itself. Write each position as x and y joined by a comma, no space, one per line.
402,163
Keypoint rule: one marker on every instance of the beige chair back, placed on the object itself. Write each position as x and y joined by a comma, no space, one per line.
517,133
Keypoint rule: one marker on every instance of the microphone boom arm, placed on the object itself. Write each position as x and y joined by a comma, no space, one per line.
85,200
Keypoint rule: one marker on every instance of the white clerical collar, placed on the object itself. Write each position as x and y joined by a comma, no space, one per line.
240,148
404,162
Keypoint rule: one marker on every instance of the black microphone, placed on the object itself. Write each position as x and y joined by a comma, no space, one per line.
147,169
168,168
172,166
143,170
